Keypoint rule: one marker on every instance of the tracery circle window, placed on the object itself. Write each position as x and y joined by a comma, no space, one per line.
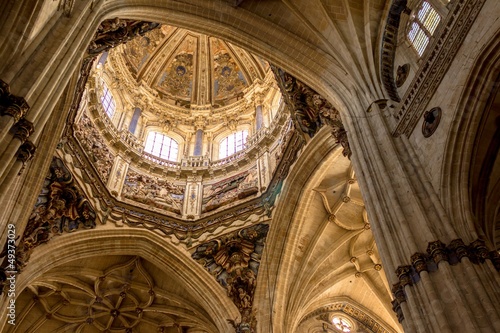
342,324
162,146
232,143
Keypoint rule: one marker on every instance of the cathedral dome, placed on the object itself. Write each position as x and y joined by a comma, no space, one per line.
187,69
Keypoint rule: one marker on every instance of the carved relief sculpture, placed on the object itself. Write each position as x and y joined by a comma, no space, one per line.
153,191
60,207
234,261
95,148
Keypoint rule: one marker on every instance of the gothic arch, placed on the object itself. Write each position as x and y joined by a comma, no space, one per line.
472,147
150,247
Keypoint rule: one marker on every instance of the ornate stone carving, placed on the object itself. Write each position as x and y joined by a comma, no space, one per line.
60,207
26,152
11,105
437,251
114,32
94,146
310,110
399,298
153,192
24,129
419,262
234,261
404,275
229,190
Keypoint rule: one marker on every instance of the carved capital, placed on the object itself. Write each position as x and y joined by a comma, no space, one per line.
10,105
479,249
419,262
403,273
495,259
458,247
399,298
24,128
26,151
437,251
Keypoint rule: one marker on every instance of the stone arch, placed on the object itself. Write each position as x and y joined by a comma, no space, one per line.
143,243
473,115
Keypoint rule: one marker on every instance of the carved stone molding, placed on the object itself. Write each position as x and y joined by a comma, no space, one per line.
309,110
437,251
442,51
11,105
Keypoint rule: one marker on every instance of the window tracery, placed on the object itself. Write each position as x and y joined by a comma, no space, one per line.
422,26
232,143
162,146
342,324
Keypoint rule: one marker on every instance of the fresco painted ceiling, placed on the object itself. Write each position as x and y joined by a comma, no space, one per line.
186,68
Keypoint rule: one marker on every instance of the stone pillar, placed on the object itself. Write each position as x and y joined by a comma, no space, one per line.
259,118
198,143
117,175
442,281
193,198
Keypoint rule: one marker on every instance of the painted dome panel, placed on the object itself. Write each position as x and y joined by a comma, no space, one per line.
228,79
186,69
176,77
139,50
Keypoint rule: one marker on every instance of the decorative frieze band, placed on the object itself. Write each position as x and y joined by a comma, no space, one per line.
437,251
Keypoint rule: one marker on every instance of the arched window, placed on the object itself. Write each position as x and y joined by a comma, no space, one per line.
232,143
107,101
422,27
162,146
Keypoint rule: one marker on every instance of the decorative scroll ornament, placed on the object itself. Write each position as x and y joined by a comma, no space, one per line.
234,261
11,105
310,110
60,207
